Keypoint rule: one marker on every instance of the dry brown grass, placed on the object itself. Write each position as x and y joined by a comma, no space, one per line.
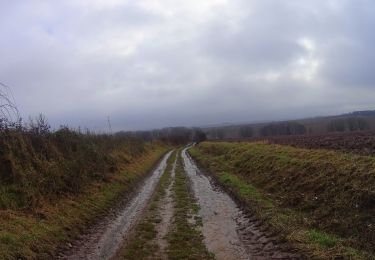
313,197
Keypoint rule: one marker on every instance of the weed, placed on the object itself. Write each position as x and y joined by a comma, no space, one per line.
143,244
37,233
322,238
185,239
303,194
246,190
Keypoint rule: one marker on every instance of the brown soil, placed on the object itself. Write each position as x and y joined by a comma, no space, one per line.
229,232
166,212
106,238
362,143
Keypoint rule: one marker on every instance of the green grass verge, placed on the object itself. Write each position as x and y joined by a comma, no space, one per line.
319,201
244,189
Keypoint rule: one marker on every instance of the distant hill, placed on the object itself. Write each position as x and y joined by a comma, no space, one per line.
363,113
354,121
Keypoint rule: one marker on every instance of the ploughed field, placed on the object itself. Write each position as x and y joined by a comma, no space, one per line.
362,143
354,142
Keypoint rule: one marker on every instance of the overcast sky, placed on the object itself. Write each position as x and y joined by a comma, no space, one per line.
154,63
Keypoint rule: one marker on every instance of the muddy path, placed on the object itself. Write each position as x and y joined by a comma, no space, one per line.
180,213
228,232
148,240
169,228
166,213
105,239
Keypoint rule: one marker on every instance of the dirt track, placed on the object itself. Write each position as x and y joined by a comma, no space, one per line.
105,239
228,233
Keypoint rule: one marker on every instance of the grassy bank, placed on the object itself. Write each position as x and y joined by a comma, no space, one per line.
38,167
322,202
54,185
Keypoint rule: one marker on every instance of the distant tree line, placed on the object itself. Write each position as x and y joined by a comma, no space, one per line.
246,131
363,113
217,133
283,128
174,135
348,124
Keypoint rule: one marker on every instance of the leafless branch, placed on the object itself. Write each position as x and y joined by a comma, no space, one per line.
8,106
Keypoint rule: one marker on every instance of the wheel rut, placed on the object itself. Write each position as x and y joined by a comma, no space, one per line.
152,221
104,239
229,233
166,212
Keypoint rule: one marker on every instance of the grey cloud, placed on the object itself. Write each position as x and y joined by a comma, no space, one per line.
158,63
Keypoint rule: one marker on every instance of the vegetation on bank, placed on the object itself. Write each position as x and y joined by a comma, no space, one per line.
323,202
54,184
39,168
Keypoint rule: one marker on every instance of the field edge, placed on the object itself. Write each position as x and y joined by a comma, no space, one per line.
290,225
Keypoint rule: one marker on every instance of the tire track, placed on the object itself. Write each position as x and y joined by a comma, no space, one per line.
107,237
230,233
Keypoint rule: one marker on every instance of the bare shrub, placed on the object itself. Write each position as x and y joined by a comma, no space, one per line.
39,125
8,108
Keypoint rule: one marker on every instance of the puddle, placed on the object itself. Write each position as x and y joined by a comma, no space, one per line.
219,213
107,237
228,232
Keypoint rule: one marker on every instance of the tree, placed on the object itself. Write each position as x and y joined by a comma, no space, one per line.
39,125
337,125
246,131
219,133
284,128
8,109
348,124
199,135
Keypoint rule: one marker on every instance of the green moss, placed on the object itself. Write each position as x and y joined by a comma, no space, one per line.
7,238
322,238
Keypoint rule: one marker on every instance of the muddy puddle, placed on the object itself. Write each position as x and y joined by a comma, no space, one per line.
107,237
228,232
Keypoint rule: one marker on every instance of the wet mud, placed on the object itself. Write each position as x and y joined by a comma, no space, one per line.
107,237
166,212
228,232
